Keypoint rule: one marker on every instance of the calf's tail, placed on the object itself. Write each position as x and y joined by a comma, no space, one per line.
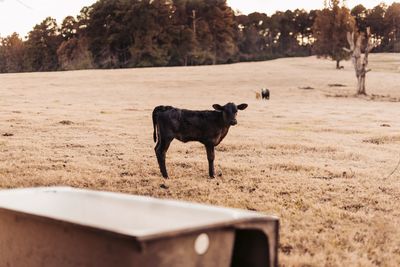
155,124
156,111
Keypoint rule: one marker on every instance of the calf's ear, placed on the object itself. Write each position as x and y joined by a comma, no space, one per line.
242,106
218,107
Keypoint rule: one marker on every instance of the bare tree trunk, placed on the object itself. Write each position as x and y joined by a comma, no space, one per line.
194,23
362,86
337,64
360,65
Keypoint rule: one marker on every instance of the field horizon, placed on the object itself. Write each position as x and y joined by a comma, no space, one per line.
315,155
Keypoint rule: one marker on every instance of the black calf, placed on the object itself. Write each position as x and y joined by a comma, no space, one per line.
206,127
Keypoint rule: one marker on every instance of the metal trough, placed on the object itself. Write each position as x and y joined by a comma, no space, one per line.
72,227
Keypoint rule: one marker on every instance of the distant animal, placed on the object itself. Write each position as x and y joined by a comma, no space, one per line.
207,127
265,93
258,95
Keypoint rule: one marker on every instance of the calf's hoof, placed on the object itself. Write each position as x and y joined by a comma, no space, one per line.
164,186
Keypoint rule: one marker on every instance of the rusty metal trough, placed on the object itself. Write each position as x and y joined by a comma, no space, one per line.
73,227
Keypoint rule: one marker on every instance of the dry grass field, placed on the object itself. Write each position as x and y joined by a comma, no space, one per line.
318,158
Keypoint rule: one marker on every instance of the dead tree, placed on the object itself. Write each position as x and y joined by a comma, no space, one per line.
360,64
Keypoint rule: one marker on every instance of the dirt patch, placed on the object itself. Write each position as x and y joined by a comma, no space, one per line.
337,85
380,140
352,207
373,97
307,88
383,98
66,122
303,148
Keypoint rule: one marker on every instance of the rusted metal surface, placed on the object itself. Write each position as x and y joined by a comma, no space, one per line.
72,227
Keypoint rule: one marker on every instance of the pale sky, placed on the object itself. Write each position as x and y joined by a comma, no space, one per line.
21,15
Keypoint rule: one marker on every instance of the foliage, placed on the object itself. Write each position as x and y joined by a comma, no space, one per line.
12,54
146,33
74,54
41,46
392,27
330,29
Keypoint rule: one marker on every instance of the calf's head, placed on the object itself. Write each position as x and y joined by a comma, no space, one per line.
229,112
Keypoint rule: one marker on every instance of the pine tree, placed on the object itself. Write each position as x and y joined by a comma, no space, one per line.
12,54
375,20
392,27
359,12
42,44
330,32
221,23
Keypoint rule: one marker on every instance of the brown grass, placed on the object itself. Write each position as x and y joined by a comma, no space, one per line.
317,162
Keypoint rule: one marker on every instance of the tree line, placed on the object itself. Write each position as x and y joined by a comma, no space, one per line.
146,33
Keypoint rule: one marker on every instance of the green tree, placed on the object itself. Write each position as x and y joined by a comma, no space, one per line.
359,12
69,28
203,38
42,44
221,23
3,65
253,36
108,36
150,40
303,24
330,32
275,27
12,54
74,54
184,48
375,20
83,20
302,31
392,27
283,26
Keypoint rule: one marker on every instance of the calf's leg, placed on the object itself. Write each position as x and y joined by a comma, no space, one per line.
210,157
161,151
